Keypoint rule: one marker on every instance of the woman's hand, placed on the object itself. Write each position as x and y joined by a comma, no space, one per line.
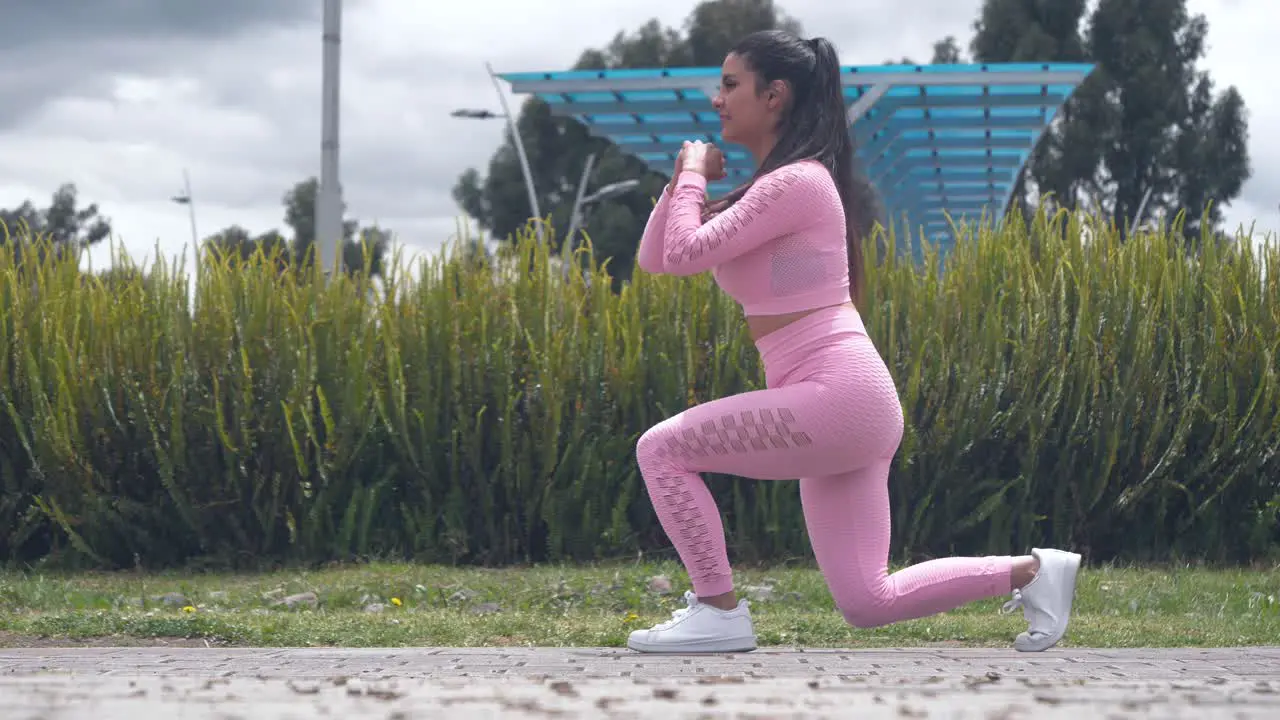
704,159
675,174
711,166
695,157
715,163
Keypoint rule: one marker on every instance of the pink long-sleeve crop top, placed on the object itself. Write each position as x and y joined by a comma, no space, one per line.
779,249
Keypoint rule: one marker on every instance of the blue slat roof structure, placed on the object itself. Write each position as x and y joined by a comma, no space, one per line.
936,140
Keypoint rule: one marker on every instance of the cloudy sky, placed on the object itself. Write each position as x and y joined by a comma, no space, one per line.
120,96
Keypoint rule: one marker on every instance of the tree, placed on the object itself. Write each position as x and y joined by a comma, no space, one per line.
299,215
237,241
63,223
1065,160
121,278
1146,120
558,147
377,240
713,27
945,52
1165,131
1210,155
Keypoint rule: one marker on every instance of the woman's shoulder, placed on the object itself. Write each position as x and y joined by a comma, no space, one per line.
806,173
803,169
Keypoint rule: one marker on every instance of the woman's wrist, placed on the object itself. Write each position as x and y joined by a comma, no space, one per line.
692,177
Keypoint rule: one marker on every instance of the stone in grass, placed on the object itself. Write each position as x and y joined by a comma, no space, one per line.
294,601
375,607
660,584
464,595
758,593
486,608
172,599
602,589
562,591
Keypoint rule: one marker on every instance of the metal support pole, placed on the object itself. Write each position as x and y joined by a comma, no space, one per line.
191,207
524,158
575,217
1141,211
328,223
868,99
191,211
186,198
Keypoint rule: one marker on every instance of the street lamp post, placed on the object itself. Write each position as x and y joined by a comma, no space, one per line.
607,192
328,221
582,201
515,136
186,198
575,214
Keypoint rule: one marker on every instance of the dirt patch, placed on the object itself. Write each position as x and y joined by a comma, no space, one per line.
19,640
505,641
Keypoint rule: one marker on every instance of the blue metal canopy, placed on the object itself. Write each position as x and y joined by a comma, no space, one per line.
936,140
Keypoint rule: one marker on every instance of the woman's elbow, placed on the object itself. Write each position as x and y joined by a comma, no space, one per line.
680,269
653,266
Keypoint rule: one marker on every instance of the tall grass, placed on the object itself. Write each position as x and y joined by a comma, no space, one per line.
1061,387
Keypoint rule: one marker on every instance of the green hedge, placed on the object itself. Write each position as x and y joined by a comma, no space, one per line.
1120,398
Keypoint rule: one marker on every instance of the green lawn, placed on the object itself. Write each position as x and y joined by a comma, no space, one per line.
412,605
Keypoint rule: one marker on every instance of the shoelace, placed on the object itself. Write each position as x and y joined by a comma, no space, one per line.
690,601
1013,604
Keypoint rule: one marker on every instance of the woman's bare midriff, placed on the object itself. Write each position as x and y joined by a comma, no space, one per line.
761,325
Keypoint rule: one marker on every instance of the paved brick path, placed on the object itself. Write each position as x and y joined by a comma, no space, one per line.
141,683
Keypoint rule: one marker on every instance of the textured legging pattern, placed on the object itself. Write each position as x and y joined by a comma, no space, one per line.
831,417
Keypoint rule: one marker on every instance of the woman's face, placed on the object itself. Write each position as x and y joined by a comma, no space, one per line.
745,113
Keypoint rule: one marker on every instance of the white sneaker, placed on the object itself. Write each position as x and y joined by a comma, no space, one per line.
1046,600
698,628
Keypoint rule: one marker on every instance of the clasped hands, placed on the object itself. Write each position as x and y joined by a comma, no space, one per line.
702,158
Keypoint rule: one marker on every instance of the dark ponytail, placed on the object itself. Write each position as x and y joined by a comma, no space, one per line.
816,127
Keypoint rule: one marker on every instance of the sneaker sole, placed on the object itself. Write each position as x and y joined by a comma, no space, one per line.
1069,590
724,645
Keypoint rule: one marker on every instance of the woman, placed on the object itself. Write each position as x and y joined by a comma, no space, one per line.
831,414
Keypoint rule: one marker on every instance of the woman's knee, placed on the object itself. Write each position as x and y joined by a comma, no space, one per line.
865,604
865,616
652,448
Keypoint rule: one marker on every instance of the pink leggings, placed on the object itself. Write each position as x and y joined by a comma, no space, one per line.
830,416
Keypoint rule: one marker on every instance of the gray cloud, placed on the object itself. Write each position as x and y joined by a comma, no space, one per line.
30,23
121,96
53,48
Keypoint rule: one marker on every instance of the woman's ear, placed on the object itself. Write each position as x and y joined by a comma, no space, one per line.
778,94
